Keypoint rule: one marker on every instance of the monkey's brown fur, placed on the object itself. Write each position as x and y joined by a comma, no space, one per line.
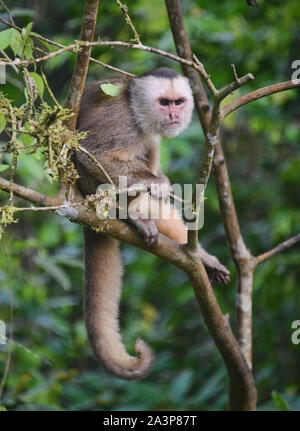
118,143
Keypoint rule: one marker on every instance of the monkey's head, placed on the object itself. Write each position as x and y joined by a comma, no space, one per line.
162,102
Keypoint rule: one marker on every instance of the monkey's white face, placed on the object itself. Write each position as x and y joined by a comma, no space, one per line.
163,106
172,114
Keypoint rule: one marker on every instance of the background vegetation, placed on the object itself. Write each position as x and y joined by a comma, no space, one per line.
51,364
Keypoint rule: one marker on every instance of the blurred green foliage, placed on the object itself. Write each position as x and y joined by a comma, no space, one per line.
51,366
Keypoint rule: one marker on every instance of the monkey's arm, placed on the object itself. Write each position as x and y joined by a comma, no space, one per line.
136,171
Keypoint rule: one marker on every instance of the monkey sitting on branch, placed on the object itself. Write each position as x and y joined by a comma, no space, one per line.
123,136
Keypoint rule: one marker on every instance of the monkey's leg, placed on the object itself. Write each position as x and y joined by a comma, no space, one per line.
139,216
169,222
174,228
103,274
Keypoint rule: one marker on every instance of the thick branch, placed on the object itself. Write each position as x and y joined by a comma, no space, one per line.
170,251
29,194
242,389
242,393
82,60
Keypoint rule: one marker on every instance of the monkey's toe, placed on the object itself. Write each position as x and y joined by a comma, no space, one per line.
218,274
148,231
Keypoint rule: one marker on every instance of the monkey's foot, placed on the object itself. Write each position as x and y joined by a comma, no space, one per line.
147,230
217,273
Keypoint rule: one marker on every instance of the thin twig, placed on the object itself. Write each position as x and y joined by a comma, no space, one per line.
124,9
59,45
49,90
237,80
148,49
205,76
8,11
83,150
20,62
9,59
258,94
278,249
50,208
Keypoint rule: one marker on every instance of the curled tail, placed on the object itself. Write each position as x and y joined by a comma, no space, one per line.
103,274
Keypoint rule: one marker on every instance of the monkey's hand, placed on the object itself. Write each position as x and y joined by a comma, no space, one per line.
147,229
159,191
217,273
159,187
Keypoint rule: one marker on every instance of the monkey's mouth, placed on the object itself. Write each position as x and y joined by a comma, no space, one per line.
172,124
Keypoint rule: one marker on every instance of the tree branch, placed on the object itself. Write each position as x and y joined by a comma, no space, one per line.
101,168
278,249
124,9
29,194
19,62
171,251
7,11
258,94
239,82
59,45
82,60
242,392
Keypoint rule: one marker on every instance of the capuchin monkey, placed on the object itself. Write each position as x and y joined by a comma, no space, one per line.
124,134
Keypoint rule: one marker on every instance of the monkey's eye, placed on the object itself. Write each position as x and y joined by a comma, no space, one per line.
178,102
164,102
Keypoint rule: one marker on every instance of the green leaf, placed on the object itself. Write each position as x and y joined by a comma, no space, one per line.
26,95
5,38
110,89
28,51
26,30
38,82
2,122
4,167
27,139
16,43
279,401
